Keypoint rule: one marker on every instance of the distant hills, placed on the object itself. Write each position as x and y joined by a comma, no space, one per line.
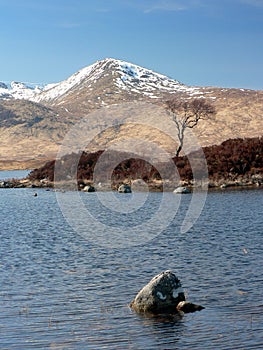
34,120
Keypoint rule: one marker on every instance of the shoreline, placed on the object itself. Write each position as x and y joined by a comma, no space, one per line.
152,186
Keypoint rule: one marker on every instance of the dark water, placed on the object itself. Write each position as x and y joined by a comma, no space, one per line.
60,291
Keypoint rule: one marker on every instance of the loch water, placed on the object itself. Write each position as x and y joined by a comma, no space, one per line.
62,290
13,174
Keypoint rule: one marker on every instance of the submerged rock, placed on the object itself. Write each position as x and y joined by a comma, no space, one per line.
89,188
124,188
6,184
186,307
183,190
161,294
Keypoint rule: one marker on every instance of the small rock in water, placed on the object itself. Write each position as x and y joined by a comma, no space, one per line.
161,295
183,190
124,188
89,188
187,307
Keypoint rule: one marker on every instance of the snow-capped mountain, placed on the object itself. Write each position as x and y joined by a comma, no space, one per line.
126,76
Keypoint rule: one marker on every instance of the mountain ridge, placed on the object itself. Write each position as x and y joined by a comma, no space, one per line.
131,75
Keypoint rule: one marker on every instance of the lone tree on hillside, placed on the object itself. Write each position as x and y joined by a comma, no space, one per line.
186,114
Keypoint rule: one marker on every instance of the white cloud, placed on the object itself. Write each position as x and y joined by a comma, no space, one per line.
148,6
256,3
165,5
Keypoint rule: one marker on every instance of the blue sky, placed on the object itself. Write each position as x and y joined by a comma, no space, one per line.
198,42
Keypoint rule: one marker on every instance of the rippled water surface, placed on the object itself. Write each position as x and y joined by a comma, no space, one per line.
62,291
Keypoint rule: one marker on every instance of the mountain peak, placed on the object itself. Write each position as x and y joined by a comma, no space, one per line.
116,75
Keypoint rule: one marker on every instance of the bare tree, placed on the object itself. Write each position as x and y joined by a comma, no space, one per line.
186,114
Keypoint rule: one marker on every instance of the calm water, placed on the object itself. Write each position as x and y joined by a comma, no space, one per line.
61,291
13,174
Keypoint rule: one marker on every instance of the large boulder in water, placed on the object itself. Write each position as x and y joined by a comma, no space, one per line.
161,295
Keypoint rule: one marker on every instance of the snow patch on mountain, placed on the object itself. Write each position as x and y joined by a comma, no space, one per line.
126,76
146,81
18,90
54,91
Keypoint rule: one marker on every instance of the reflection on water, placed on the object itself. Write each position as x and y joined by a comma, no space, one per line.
60,291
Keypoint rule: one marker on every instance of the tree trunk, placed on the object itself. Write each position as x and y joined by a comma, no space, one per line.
178,151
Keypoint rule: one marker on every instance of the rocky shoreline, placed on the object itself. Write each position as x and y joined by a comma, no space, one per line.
138,185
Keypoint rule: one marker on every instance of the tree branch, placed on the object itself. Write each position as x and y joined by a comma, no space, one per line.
187,114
